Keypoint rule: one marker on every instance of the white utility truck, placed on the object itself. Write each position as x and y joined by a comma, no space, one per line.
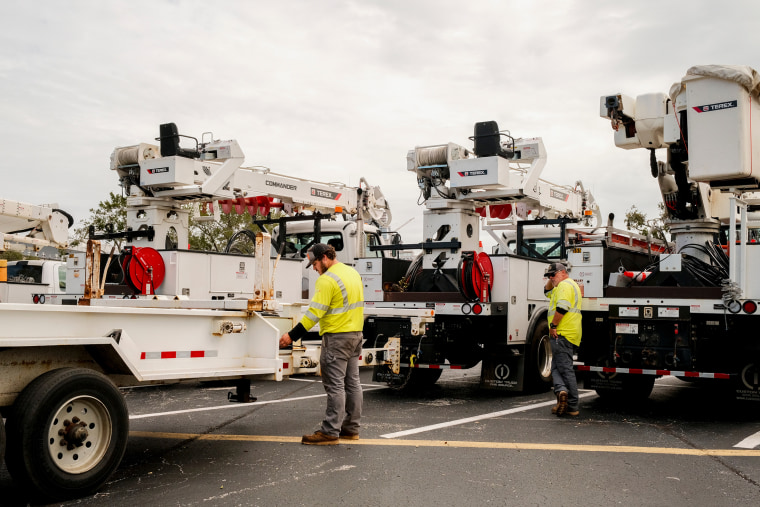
480,307
691,313
181,315
29,228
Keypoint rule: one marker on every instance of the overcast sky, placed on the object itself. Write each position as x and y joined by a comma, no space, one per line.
335,90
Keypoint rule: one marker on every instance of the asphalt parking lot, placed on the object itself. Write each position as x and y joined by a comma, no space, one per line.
451,445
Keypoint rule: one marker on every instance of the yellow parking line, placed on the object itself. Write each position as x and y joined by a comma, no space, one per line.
517,446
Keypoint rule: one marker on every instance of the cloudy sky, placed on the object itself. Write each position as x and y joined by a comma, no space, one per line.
333,90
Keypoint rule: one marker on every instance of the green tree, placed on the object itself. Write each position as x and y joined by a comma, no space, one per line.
209,235
112,211
213,236
11,255
636,220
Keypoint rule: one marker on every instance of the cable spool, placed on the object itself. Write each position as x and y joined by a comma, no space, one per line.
144,269
475,276
436,155
131,155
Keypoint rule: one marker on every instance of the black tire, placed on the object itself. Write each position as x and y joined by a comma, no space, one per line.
538,359
35,456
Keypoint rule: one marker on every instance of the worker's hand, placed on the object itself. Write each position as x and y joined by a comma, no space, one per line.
553,333
285,340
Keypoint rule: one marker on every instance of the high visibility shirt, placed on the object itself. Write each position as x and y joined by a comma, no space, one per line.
338,302
567,296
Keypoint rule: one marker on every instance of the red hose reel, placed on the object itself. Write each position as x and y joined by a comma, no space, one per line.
144,269
476,276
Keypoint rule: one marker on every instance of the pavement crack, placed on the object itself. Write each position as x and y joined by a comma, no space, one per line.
680,436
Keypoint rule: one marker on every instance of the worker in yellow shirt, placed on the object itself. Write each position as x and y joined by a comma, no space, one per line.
338,306
565,332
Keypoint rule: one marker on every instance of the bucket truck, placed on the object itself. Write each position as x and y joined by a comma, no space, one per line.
29,227
693,314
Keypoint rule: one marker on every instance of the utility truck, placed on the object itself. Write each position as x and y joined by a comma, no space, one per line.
32,278
481,308
29,228
172,314
690,312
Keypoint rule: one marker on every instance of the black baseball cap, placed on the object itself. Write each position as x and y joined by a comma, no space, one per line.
552,269
316,252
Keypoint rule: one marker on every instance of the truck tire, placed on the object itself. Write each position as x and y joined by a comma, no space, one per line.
67,433
538,359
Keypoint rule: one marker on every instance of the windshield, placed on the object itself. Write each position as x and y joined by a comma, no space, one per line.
297,244
547,248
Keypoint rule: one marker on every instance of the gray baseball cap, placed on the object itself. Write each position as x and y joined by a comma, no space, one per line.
553,268
315,252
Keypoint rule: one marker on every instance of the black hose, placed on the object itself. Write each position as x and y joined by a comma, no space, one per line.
235,236
68,217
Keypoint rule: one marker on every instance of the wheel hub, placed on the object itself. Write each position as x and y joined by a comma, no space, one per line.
79,434
74,433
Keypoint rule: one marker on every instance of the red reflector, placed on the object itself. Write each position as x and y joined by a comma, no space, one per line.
36,299
477,309
749,307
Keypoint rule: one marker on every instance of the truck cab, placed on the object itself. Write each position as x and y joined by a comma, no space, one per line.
342,235
29,277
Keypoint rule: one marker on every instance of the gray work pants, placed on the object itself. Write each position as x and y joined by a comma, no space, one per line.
563,374
340,376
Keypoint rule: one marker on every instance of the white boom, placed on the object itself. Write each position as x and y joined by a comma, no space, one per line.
35,225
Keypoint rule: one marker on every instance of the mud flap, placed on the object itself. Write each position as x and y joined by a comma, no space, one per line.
748,385
503,372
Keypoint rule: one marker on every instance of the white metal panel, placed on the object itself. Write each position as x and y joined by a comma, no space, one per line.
720,115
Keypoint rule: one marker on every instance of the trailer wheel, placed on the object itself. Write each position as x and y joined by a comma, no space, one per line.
538,361
67,433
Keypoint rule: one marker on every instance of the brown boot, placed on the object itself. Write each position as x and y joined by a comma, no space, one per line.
319,438
561,403
556,407
347,435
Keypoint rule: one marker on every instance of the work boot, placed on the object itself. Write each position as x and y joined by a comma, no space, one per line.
319,438
561,403
572,413
347,435
555,407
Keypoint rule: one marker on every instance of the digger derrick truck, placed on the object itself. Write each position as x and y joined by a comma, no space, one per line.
183,315
691,313
29,227
480,307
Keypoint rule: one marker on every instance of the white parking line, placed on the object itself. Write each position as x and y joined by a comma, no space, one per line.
477,418
750,442
235,405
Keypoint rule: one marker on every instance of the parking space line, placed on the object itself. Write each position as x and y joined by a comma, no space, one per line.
235,405
466,420
750,442
515,446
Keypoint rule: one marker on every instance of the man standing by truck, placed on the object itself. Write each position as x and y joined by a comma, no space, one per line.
565,332
338,306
